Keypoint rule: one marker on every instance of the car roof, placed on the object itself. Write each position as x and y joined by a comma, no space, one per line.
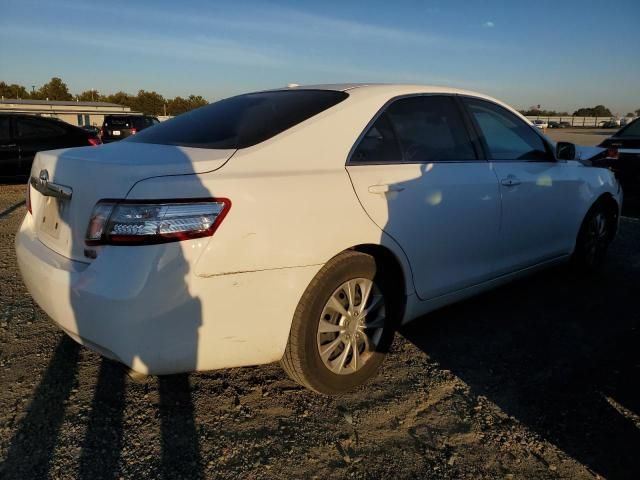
34,116
391,88
136,115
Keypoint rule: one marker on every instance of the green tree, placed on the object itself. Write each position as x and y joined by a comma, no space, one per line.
150,103
55,89
630,114
638,112
597,111
179,105
90,96
120,98
543,113
197,101
13,91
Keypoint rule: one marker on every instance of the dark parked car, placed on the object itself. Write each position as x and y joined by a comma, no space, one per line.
91,129
117,127
622,155
22,136
610,124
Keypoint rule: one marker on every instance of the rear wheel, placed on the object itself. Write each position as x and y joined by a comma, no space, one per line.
343,326
593,239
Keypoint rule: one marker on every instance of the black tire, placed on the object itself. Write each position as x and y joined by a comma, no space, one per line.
302,360
594,238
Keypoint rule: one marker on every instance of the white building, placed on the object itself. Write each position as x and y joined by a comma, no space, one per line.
73,112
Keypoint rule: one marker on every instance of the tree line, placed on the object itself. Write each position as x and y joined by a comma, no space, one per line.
597,111
150,103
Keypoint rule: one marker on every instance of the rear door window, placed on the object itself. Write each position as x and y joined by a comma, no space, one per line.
430,129
241,121
420,129
507,137
379,144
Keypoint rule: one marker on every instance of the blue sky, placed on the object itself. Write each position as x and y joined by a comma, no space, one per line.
559,54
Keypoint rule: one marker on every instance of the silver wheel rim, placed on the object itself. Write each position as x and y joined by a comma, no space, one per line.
596,236
351,326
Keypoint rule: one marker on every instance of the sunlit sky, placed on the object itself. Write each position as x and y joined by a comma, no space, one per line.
559,54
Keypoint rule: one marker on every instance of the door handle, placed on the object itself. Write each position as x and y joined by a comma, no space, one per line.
385,188
11,145
510,181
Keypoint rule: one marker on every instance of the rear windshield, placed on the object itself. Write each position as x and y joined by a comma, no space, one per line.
242,121
117,121
631,130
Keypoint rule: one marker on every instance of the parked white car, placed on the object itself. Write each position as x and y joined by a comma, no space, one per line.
301,225
541,124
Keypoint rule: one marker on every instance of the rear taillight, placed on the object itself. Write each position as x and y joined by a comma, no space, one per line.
134,131
143,222
94,141
612,153
28,198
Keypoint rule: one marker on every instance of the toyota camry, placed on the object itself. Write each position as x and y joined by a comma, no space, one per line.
302,225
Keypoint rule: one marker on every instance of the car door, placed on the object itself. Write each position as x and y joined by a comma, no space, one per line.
9,151
36,134
421,179
536,189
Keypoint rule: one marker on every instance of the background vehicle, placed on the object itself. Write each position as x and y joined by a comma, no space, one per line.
564,125
117,127
302,225
91,129
554,124
612,123
541,124
622,156
22,136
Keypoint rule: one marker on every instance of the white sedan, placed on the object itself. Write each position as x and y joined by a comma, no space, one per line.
541,124
301,225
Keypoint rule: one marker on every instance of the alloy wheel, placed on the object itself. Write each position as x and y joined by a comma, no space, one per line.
351,326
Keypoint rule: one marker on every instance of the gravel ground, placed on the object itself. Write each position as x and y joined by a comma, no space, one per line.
580,136
538,379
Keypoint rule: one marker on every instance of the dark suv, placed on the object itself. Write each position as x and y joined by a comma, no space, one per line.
622,155
22,136
117,127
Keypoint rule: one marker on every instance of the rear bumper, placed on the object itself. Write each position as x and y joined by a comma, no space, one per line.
144,307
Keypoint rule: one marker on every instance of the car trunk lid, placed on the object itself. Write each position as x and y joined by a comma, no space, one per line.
95,173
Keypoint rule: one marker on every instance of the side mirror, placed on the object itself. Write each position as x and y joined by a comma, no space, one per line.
565,151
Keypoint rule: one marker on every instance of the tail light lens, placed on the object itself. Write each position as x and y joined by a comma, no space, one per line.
612,153
154,221
134,131
94,141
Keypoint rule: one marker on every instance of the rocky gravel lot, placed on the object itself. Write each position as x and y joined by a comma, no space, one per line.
539,379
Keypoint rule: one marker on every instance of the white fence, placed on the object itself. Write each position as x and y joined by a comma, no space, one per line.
578,121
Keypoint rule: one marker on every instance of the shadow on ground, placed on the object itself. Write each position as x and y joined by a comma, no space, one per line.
557,352
33,446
